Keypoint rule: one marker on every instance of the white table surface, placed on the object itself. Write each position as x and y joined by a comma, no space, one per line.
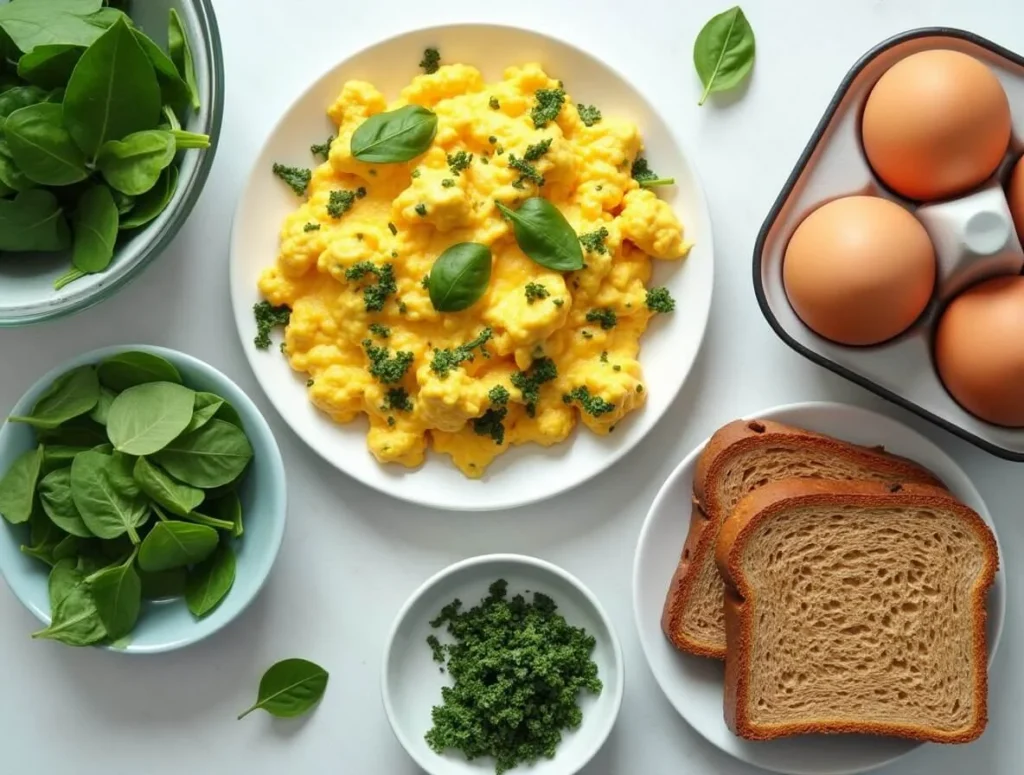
351,556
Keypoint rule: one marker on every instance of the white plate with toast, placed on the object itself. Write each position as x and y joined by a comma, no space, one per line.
693,684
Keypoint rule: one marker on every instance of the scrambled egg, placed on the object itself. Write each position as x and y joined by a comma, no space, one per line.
541,349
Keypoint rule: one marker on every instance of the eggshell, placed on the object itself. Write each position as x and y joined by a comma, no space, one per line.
859,270
936,124
1015,193
979,350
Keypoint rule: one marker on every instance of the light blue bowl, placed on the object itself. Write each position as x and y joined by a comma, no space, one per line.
166,625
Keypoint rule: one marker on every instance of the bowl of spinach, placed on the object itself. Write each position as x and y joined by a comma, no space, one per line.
110,112
142,500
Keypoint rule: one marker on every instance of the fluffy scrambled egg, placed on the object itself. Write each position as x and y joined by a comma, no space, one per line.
541,349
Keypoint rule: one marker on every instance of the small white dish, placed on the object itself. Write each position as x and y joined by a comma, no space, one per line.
411,681
694,684
668,349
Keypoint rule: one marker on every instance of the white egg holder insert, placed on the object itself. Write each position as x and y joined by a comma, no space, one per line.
973,235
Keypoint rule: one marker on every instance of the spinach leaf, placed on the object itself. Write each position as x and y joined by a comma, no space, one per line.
10,176
33,221
71,395
95,226
206,408
64,577
49,66
109,506
175,545
181,55
229,414
153,202
184,139
290,688
146,418
212,456
113,91
19,97
459,276
117,592
102,409
396,136
56,456
724,52
74,619
227,508
209,581
135,367
42,147
43,538
133,165
31,23
123,202
67,548
18,486
79,432
164,584
544,235
177,498
55,496
173,90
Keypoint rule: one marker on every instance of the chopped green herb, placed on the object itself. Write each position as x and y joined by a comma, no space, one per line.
447,183
484,160
589,115
402,309
361,192
283,348
421,209
386,369
535,151
549,105
639,388
394,254
296,177
431,61
660,300
493,102
535,291
592,405
647,177
490,422
269,317
359,236
500,149
376,294
529,382
340,202
492,139
499,395
393,228
586,334
604,356
414,174
605,316
616,367
398,400
558,302
379,329
593,241
309,383
447,359
526,171
425,282
459,161
391,421
311,227
323,150
373,173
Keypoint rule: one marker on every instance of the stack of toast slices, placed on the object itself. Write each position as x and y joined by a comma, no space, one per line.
844,587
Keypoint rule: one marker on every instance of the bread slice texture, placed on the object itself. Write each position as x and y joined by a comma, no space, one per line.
740,457
856,607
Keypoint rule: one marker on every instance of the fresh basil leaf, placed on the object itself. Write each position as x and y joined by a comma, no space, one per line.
49,66
210,581
173,89
459,276
212,456
544,235
117,592
206,408
290,688
724,52
133,165
164,584
74,618
31,23
55,496
94,223
146,418
113,91
33,221
135,367
396,136
18,486
79,432
108,505
175,545
181,55
102,408
174,496
153,202
42,147
71,395
56,456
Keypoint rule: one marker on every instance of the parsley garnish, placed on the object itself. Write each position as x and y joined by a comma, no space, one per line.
526,170
447,359
398,400
421,209
592,405
647,177
605,316
490,422
393,229
535,291
386,369
296,177
431,60
379,329
660,300
589,115
376,294
459,161
493,102
269,317
340,202
549,104
593,241
529,382
311,227
447,183
323,150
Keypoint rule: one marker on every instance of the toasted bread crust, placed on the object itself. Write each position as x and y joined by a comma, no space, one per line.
707,516
777,497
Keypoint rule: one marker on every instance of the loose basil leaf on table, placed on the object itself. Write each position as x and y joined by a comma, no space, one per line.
59,505
108,501
117,592
212,456
133,165
290,688
724,52
113,91
75,620
32,221
210,581
396,136
174,496
102,409
153,202
71,395
18,486
41,146
176,545
459,276
128,369
544,235
49,66
164,584
181,55
146,418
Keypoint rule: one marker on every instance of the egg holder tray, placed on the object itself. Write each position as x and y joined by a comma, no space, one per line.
974,238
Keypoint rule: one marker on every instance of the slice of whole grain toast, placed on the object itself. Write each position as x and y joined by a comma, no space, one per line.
738,458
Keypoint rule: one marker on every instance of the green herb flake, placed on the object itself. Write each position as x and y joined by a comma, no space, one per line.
494,104
660,300
431,61
484,160
391,421
647,177
397,399
414,174
425,282
379,329
492,139
549,105
605,316
593,241
385,368
269,317
393,229
604,356
322,150
589,115
340,202
297,178
490,422
586,334
616,367
558,302
447,183
459,161
310,383
535,292
529,382
592,405
450,358
421,210
374,294
311,227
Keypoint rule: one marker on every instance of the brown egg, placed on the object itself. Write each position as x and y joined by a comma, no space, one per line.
1015,193
979,350
859,270
936,125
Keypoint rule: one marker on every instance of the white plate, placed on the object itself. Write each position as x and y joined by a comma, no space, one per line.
668,349
411,682
694,684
